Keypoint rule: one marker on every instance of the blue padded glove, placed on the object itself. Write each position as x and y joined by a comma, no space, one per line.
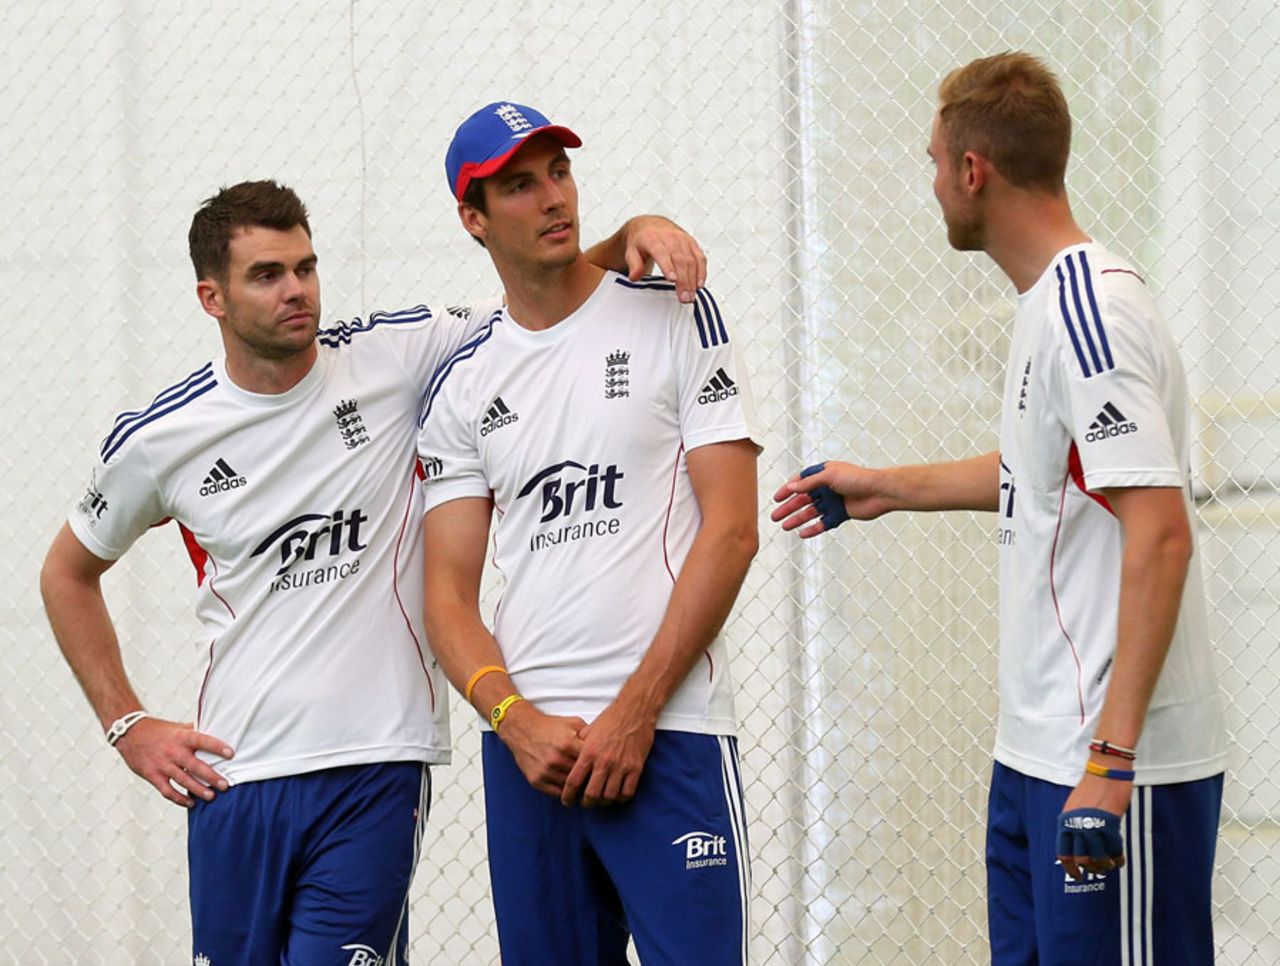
1091,832
829,503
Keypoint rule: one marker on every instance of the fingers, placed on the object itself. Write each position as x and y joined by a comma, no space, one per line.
573,784
163,786
689,267
164,754
637,264
1077,865
215,746
681,261
795,503
796,514
801,486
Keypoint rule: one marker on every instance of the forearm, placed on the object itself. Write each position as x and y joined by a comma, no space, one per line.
1153,572
971,484
463,645
85,634
610,253
701,600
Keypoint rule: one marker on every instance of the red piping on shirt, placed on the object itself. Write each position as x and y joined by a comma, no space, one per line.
1076,469
415,477
1053,590
199,557
1124,271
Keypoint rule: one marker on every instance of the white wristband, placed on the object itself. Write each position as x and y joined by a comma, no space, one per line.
120,727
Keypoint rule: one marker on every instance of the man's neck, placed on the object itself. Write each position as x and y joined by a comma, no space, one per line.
269,377
540,299
1027,233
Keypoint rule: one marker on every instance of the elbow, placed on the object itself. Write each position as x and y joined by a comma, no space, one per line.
1173,545
743,543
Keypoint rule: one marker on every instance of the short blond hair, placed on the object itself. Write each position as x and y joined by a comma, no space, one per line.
1010,109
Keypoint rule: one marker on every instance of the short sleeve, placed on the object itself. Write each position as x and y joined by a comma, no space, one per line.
1115,389
421,337
714,391
448,451
121,502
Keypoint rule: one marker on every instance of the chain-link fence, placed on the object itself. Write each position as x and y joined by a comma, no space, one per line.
790,138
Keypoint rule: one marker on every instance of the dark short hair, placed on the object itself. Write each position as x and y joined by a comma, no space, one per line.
1010,109
250,203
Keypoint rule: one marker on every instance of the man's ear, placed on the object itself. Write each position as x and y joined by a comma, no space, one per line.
212,298
473,220
974,171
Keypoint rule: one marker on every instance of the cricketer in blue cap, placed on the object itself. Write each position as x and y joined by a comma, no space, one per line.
486,141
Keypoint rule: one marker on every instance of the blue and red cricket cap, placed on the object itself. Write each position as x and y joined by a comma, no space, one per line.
485,141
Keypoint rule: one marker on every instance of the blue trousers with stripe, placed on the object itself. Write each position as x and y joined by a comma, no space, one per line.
1157,909
669,867
308,870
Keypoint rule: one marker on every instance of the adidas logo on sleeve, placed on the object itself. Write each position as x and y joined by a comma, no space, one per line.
221,478
718,388
497,416
1108,424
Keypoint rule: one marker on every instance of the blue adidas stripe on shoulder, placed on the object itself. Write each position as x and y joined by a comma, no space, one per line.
650,282
165,402
461,354
706,312
341,333
1082,317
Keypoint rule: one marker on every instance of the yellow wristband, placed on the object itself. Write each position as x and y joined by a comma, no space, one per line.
475,678
499,713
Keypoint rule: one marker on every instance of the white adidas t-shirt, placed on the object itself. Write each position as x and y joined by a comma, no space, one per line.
581,432
301,512
1095,396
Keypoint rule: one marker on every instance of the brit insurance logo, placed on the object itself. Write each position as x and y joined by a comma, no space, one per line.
93,504
432,467
350,424
496,416
702,849
573,489
1108,424
1026,389
220,479
718,389
362,955
1092,881
319,540
617,375
1006,535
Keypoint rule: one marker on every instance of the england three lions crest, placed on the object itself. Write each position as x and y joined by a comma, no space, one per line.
617,374
350,425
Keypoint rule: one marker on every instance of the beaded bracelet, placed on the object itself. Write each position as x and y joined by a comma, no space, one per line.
1103,747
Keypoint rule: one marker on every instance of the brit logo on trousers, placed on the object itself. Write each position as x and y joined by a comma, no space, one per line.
702,849
362,955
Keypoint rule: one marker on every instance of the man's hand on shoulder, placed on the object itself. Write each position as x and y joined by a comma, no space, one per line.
652,239
164,753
